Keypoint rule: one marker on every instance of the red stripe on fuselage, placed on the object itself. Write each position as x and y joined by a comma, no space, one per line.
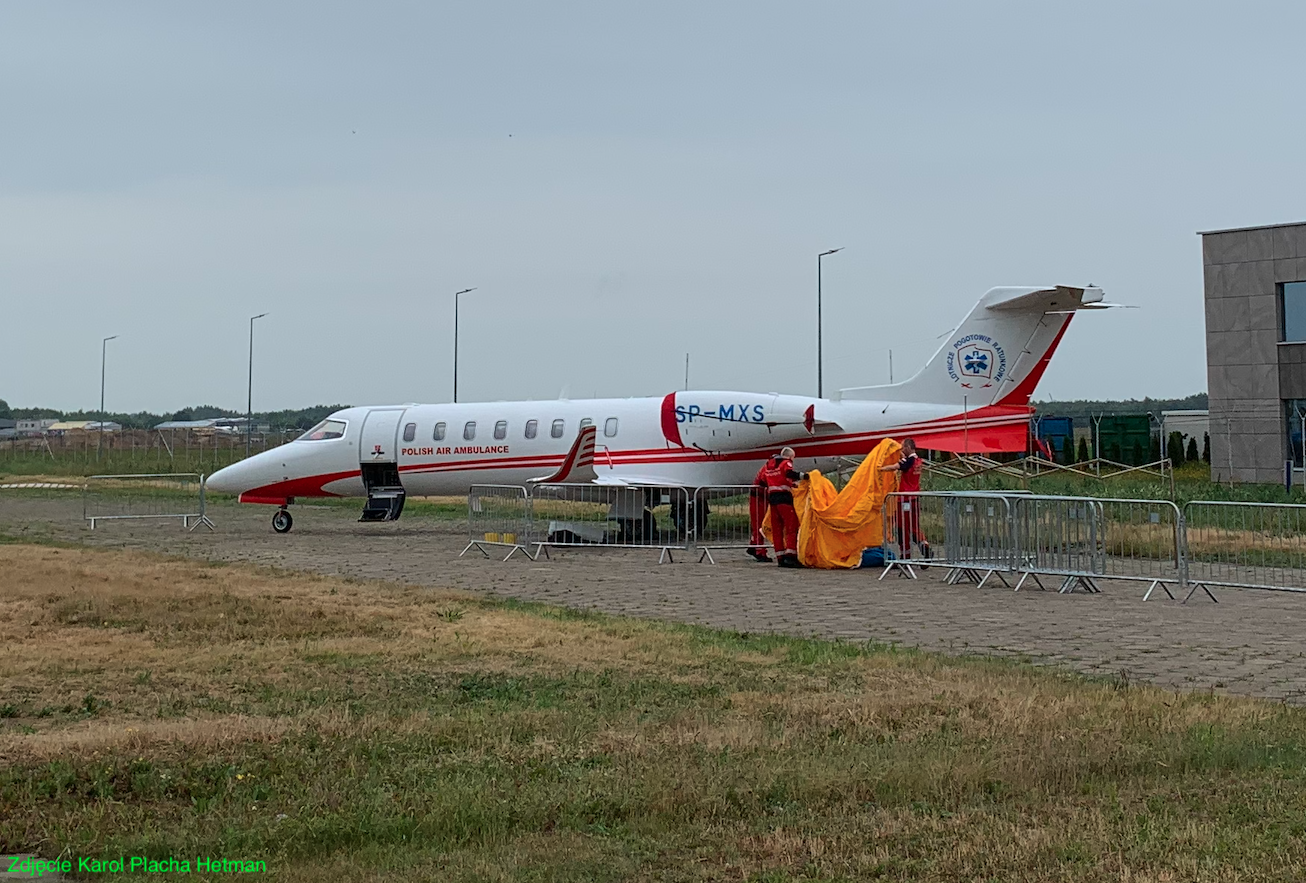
282,491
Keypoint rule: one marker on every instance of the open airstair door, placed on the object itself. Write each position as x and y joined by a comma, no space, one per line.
378,449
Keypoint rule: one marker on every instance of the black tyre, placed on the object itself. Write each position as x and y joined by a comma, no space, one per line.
282,522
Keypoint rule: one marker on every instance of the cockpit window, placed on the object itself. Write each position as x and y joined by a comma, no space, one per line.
325,430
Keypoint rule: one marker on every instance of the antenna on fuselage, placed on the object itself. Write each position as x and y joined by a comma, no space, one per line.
686,372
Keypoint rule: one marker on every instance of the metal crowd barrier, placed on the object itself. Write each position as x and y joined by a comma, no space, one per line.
1059,536
498,516
1245,545
590,515
983,536
723,518
977,536
968,533
146,496
1084,539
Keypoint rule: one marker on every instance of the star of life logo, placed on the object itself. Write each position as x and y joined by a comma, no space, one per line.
976,361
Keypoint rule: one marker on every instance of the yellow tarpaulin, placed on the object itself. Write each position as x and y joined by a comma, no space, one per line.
837,525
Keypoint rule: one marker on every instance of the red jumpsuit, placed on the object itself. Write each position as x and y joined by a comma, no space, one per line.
909,516
779,476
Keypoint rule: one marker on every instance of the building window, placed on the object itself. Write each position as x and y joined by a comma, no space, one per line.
559,426
438,435
1294,411
410,431
610,427
469,431
501,430
1292,302
532,427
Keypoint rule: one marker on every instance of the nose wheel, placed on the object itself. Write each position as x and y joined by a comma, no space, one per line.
282,522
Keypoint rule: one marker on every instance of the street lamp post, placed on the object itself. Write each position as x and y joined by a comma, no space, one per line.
457,294
99,441
249,404
820,379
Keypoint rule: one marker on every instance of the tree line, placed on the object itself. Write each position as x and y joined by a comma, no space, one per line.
301,418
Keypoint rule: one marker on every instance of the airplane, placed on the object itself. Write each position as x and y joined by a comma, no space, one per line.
971,396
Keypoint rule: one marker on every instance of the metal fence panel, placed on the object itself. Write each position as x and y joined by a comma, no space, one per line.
498,515
1086,538
723,518
589,515
969,533
146,496
1143,540
1245,545
1060,536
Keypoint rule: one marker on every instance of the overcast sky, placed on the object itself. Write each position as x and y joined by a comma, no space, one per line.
623,184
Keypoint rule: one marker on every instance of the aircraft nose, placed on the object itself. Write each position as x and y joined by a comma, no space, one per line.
233,479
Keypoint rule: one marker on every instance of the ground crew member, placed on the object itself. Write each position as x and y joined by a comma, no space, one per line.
756,512
779,476
908,520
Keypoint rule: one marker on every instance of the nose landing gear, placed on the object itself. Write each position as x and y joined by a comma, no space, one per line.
282,522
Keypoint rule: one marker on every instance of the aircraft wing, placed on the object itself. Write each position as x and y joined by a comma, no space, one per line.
578,467
636,481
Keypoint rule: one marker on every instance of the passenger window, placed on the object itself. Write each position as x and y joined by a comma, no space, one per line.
532,427
586,421
469,431
410,432
610,427
501,430
439,432
558,427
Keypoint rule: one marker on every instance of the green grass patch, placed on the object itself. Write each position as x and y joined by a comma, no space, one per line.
359,731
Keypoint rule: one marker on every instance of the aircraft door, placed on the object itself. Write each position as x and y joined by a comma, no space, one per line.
378,443
378,456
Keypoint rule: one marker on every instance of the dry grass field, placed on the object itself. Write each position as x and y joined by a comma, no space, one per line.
349,730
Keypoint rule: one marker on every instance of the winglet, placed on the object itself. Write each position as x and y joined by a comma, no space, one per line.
578,467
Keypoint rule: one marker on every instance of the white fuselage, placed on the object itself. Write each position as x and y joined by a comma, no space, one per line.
717,438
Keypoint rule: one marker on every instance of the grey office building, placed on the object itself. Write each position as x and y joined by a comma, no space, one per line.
1255,349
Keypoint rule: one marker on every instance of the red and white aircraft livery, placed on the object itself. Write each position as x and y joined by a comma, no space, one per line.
972,396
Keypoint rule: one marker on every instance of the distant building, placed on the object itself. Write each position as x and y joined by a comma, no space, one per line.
8,428
83,426
1189,424
35,426
1255,293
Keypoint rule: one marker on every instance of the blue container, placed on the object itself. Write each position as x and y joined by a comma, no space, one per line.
1057,432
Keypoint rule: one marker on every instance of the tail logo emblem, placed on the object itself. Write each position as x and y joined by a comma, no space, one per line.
976,361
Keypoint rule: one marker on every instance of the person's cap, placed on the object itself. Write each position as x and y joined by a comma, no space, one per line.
787,453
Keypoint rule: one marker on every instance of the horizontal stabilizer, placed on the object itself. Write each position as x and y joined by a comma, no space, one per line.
578,467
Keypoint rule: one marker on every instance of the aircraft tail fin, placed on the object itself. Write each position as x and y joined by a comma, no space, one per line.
997,354
578,466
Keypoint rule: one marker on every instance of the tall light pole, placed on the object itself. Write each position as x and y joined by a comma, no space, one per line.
99,442
457,294
249,405
820,380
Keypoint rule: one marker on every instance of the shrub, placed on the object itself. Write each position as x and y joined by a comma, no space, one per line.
1174,448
